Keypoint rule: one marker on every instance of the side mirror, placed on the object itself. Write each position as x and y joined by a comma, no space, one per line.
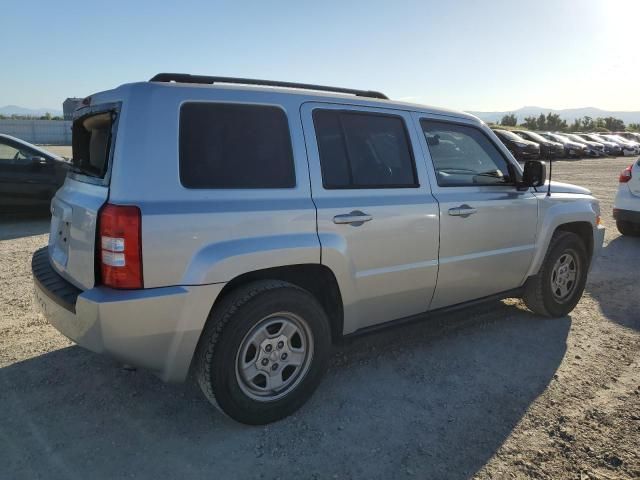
535,173
38,160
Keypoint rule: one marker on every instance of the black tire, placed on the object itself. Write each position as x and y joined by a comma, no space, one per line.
538,292
229,323
628,228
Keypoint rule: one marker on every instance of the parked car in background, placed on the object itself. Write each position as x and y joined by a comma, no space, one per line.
239,232
594,149
571,149
548,148
610,148
29,175
626,207
519,147
628,147
629,135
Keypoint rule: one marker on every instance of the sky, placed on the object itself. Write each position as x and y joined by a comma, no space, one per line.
483,55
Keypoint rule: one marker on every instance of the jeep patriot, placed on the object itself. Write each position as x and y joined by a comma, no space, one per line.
234,229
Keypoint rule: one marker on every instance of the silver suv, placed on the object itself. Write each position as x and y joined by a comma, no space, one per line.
236,229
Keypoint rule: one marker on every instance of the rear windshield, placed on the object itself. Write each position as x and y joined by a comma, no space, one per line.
92,142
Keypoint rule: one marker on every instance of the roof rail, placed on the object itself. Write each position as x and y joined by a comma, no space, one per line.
187,78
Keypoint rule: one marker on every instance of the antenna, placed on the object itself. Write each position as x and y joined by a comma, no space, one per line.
550,170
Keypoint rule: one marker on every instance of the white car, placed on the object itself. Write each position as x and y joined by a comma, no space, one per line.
626,209
629,147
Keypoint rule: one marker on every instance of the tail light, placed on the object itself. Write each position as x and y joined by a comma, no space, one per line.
120,250
625,175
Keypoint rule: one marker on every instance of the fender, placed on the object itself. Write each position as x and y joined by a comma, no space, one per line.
555,211
223,261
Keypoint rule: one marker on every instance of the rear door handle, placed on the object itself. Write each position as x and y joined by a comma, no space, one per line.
462,211
355,218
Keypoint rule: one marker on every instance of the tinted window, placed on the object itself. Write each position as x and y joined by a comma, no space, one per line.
362,150
235,146
464,156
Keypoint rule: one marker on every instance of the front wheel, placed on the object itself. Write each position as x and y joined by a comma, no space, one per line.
263,352
558,286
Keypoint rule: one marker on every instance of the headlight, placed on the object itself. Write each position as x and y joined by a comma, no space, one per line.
521,145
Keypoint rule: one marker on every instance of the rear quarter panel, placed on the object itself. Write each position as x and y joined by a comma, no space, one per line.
200,236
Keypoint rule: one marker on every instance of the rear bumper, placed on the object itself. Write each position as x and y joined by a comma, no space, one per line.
626,215
626,206
157,329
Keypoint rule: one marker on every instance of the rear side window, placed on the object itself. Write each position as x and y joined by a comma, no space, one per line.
235,146
363,150
92,143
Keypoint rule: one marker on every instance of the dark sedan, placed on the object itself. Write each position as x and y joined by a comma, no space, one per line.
571,149
29,175
520,148
548,148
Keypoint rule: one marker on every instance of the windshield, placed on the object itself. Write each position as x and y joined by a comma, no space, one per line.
534,136
575,138
510,135
560,138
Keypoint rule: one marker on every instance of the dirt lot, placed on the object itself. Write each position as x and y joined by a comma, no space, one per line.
493,392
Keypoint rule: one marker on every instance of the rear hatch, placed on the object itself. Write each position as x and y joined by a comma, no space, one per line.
75,207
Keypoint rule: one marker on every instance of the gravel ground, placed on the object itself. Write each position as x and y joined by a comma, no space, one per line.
492,392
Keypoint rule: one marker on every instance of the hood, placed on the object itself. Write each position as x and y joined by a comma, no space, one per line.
561,187
527,142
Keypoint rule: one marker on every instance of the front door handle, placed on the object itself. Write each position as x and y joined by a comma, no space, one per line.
462,211
355,218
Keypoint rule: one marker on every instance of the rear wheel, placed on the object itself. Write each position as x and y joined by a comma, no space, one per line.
263,352
557,288
628,228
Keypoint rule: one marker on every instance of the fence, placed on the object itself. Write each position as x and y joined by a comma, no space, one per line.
45,132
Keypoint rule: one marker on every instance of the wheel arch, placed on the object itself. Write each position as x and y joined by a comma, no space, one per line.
577,217
316,278
584,230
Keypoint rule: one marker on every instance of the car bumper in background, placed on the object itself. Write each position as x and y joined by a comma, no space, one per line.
527,155
157,329
626,203
576,152
626,215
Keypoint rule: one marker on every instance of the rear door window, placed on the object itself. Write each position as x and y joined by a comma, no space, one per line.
363,150
225,146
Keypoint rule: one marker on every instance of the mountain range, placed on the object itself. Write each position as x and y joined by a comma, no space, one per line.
568,114
35,112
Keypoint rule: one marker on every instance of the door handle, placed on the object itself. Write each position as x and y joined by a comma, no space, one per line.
462,211
355,218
